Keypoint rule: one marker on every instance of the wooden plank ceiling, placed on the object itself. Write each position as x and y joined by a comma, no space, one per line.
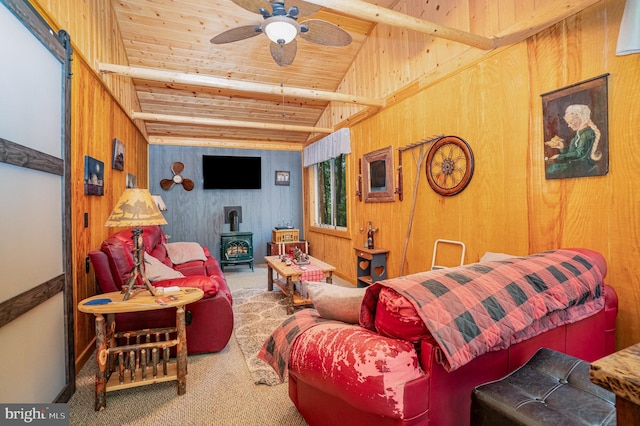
174,35
177,72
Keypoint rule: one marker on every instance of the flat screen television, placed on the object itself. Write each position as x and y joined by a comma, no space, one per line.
231,172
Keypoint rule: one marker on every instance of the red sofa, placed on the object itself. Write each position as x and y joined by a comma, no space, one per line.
209,320
347,374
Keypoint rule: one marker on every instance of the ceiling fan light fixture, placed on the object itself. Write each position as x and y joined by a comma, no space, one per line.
281,29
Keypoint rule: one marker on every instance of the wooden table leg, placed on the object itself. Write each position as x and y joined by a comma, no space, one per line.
269,278
110,338
290,291
627,412
101,358
181,354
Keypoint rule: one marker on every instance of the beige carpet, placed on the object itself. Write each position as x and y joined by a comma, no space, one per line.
220,389
256,313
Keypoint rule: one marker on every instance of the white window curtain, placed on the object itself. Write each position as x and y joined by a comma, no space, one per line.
328,147
629,36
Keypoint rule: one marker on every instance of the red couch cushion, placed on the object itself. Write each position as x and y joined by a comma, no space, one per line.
152,236
357,365
208,285
120,259
160,253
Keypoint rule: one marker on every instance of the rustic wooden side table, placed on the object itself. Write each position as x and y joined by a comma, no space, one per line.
619,373
138,357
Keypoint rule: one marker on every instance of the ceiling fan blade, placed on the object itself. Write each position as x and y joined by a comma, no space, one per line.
305,8
253,5
285,54
166,184
188,184
177,167
236,34
325,33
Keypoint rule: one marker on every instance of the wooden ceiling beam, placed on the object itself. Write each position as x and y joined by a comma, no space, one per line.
226,143
242,86
541,19
227,123
371,12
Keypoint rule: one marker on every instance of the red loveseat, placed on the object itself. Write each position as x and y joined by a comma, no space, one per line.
348,374
209,320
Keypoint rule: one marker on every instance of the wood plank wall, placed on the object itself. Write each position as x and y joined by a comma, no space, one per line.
98,116
97,120
495,105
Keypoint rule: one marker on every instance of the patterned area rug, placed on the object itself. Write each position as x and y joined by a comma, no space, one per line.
257,313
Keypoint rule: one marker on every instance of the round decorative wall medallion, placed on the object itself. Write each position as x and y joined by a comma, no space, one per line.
449,165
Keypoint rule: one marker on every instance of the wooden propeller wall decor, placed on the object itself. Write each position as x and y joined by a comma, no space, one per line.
177,168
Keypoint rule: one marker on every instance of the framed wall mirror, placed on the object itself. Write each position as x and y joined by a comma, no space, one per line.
378,176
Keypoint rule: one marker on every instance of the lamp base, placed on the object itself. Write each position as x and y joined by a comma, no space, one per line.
138,267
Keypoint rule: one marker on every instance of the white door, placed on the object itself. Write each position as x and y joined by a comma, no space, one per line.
35,319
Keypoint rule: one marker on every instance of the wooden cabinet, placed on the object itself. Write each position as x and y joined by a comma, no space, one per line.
371,265
272,248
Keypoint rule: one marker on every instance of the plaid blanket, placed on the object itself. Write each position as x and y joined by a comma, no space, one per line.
276,349
481,307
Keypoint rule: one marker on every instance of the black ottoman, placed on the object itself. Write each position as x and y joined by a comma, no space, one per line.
550,389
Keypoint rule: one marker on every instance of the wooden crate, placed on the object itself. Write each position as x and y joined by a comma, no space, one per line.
285,235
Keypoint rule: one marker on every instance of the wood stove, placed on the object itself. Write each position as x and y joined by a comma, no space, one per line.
236,248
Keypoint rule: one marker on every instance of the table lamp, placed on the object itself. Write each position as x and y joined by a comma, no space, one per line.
136,208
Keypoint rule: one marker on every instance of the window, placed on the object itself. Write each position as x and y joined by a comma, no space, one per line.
331,193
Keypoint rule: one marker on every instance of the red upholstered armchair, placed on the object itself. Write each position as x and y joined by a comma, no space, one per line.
209,320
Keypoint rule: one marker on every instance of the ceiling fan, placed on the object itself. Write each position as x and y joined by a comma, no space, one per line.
281,26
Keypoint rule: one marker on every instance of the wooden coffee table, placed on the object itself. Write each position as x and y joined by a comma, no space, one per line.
293,273
144,357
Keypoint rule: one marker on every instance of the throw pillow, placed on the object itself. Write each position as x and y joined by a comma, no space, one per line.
492,257
157,271
336,302
184,252
397,317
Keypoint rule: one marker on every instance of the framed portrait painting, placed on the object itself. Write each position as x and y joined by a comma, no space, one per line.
576,130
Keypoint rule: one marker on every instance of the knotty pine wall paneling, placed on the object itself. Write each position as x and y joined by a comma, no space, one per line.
495,105
96,120
602,212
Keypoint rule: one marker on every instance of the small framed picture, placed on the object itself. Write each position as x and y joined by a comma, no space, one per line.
118,154
282,177
93,176
131,181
